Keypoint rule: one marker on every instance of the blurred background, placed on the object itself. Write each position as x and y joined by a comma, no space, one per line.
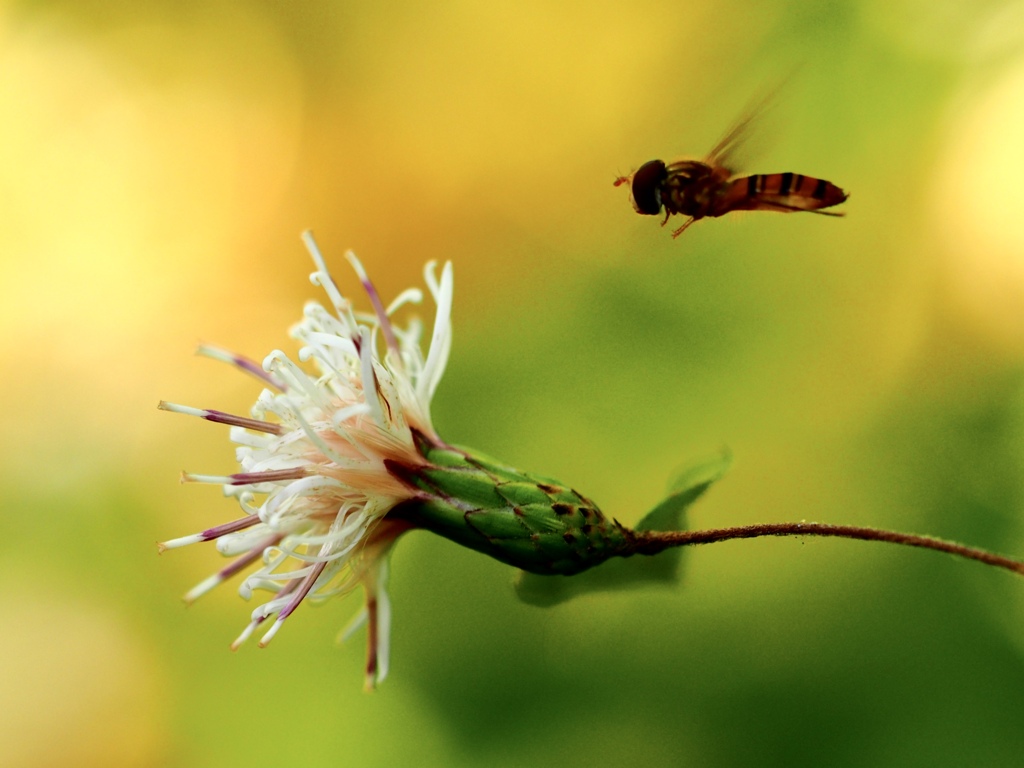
159,160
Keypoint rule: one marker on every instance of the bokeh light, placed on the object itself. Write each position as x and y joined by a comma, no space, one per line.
977,205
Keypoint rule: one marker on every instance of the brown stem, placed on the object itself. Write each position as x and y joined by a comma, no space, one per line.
652,542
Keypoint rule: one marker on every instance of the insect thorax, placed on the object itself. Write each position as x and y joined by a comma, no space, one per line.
689,188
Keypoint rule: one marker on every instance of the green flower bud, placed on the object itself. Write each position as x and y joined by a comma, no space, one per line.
532,522
540,525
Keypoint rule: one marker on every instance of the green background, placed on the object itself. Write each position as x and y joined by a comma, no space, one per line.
159,160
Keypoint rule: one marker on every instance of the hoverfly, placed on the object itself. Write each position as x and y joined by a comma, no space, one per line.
711,187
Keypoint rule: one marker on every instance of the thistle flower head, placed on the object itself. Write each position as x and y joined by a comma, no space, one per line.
314,483
339,458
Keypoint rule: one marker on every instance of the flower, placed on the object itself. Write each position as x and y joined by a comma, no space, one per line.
336,466
315,484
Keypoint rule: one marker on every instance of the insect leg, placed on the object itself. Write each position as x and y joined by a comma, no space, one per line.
769,205
682,229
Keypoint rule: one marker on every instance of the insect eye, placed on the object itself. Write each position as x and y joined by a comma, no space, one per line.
647,187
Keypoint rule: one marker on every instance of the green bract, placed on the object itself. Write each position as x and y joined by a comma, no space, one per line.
532,522
538,524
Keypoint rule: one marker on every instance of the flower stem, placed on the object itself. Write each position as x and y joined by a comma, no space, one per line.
653,542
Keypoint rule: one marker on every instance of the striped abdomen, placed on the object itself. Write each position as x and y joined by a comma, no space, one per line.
778,192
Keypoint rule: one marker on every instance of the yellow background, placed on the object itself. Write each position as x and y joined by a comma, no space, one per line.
158,162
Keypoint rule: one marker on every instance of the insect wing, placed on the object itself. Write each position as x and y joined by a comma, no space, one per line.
725,153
